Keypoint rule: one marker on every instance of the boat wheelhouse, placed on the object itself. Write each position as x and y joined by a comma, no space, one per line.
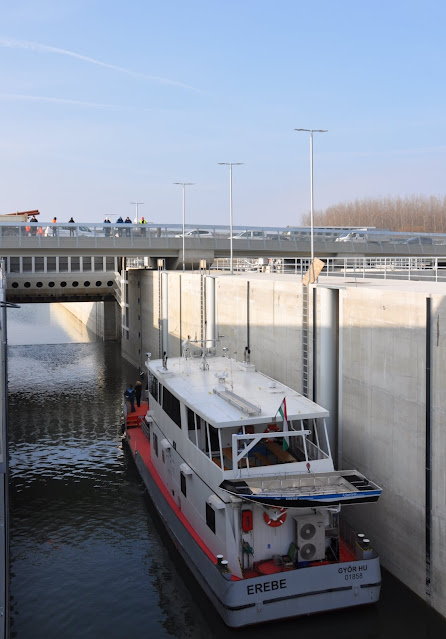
240,469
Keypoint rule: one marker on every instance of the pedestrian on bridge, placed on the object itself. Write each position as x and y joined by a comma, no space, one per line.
54,221
127,221
120,221
32,222
107,229
71,221
143,230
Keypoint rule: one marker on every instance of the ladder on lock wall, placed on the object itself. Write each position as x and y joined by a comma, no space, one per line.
203,303
160,307
305,322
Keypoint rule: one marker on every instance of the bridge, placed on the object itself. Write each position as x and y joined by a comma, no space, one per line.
206,242
84,262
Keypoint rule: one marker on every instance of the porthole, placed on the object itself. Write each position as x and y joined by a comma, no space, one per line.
86,284
98,283
109,283
27,284
15,285
75,284
39,284
63,284
51,284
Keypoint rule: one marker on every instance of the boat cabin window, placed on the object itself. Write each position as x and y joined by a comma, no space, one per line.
171,406
153,387
210,517
155,443
192,426
198,432
272,446
212,443
183,484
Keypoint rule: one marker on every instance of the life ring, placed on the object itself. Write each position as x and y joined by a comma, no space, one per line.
277,521
272,428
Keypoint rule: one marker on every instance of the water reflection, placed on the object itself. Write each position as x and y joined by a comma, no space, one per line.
89,557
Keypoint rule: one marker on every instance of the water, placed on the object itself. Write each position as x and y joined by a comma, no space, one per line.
89,557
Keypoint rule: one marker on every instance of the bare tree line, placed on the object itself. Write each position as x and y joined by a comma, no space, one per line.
412,214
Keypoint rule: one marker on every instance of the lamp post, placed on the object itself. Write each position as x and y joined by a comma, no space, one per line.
184,184
136,203
230,164
311,131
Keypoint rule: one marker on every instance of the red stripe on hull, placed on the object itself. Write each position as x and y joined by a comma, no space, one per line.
138,442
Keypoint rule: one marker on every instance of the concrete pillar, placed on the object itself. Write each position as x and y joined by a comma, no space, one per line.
110,319
327,395
165,312
210,313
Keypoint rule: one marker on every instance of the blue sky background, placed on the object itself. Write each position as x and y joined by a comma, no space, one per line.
104,103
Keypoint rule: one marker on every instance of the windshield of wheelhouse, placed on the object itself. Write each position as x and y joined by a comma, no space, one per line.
269,445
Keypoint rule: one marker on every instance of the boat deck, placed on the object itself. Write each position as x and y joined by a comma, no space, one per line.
275,565
139,444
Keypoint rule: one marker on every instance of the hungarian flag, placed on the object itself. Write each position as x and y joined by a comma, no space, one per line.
283,414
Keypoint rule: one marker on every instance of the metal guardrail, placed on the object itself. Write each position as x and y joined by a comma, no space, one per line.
425,268
350,237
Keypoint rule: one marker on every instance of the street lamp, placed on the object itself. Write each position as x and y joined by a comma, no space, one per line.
137,218
184,184
311,131
230,164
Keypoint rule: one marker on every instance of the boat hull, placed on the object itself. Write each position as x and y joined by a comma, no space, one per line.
266,598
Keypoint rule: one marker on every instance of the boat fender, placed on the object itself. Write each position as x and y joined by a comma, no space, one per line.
274,522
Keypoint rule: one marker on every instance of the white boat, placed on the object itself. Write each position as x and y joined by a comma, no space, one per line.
240,470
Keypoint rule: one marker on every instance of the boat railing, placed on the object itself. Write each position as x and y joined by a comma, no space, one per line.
243,444
318,452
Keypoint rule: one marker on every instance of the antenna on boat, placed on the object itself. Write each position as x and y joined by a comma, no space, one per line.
221,376
186,347
204,366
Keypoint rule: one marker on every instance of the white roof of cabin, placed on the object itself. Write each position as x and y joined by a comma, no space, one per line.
189,383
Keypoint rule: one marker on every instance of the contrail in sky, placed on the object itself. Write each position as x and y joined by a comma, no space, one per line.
80,103
43,48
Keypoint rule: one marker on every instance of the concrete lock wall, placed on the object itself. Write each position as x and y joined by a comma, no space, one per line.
264,315
383,427
102,318
372,341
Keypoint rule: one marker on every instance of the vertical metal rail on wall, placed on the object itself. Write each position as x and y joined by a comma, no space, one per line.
305,312
428,452
160,306
4,464
203,302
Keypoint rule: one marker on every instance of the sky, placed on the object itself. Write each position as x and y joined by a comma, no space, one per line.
107,103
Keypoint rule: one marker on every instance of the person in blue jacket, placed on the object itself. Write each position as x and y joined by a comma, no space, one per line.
130,397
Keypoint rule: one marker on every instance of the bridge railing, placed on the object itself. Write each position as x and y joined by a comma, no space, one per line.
419,268
250,236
